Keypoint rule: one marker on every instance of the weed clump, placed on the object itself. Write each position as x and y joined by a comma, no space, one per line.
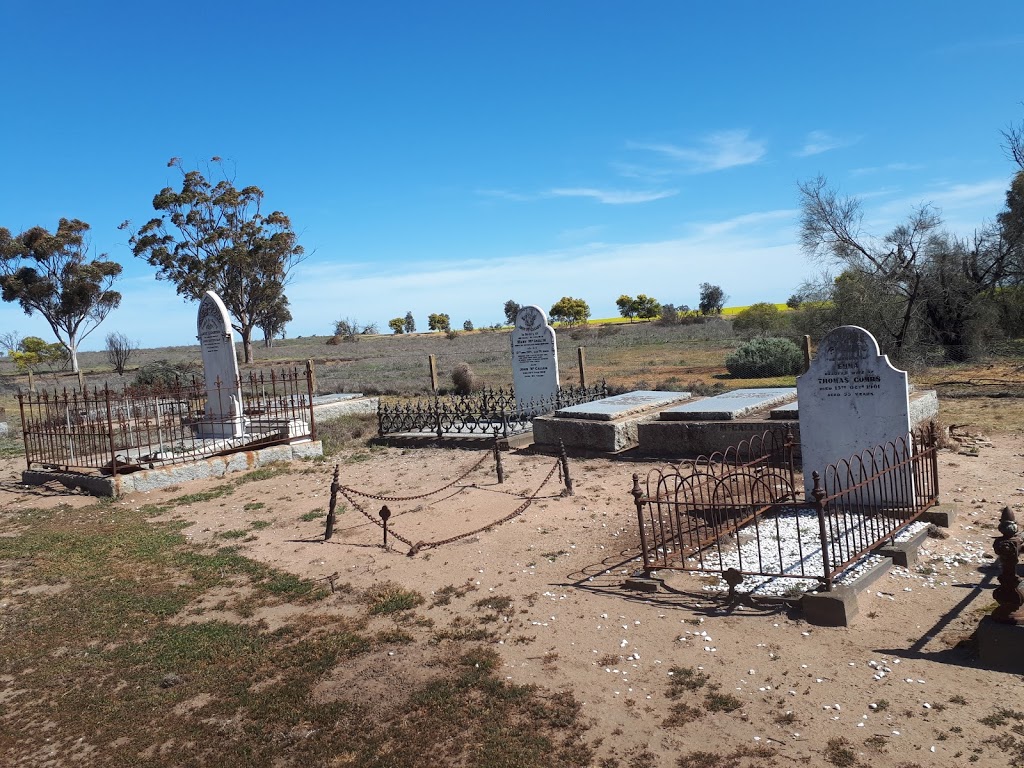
388,597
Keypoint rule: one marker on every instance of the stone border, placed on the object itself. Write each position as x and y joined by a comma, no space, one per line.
153,479
839,607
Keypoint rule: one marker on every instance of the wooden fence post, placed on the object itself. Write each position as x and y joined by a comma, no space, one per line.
432,360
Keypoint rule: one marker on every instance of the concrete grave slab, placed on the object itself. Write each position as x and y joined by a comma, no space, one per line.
617,406
729,405
607,430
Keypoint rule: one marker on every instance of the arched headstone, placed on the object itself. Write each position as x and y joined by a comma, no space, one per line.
222,415
534,358
851,399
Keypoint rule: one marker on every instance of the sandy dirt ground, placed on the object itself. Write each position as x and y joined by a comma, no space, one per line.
562,563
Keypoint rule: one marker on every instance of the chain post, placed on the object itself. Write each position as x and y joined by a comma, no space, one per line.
497,461
329,531
564,458
385,513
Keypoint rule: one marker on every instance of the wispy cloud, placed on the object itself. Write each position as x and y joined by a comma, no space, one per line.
505,194
887,168
614,196
749,224
818,142
605,196
716,152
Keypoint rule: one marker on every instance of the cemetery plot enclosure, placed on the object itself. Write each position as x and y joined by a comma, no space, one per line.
737,512
487,412
122,431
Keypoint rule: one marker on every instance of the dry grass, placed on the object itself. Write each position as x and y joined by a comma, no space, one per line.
135,684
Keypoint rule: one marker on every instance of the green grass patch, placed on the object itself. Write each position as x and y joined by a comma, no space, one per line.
387,597
684,680
318,514
218,491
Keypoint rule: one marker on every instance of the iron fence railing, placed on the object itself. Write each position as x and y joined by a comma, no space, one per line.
869,498
487,412
135,428
738,511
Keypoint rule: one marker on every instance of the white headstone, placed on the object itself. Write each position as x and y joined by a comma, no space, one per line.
851,400
534,358
223,412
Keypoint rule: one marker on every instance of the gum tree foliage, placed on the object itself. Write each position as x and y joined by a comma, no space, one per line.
33,352
215,236
439,322
916,288
627,306
467,325
275,320
511,310
712,299
647,307
410,323
569,311
643,306
397,325
52,274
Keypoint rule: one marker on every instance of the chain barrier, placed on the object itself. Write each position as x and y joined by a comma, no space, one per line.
378,497
422,545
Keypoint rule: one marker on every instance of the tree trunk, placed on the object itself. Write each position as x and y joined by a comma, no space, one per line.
73,350
246,333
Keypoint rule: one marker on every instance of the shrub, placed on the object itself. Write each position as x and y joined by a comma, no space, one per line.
162,374
464,380
765,357
759,319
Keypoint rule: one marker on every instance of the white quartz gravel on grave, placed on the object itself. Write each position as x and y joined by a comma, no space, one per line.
790,523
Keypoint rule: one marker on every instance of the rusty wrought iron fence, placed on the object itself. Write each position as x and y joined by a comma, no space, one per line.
135,428
487,412
739,511
867,499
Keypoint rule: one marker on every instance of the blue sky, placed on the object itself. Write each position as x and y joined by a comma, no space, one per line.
447,156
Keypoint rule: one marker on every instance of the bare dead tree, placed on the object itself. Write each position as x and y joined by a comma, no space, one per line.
119,351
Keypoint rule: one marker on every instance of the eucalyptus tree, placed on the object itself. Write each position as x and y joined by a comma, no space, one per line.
212,235
51,274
